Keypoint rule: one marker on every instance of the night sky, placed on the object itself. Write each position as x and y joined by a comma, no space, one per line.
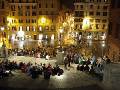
67,3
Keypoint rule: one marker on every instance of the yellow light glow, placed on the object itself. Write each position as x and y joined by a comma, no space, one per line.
43,20
61,30
9,20
2,28
1,44
20,33
64,24
86,23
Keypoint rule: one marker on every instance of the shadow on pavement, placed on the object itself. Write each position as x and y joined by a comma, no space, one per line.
91,87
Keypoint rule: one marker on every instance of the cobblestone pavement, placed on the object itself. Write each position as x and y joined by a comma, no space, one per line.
33,60
70,80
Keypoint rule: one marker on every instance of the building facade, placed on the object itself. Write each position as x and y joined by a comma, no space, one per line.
114,31
3,20
32,19
92,18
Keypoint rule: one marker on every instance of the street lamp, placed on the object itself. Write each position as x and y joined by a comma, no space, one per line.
42,23
103,46
86,23
2,29
43,20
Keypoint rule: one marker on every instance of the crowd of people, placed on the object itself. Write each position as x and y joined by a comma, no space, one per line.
93,65
6,68
71,55
35,52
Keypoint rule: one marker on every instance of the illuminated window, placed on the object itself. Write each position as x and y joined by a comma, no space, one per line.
97,26
47,28
33,28
40,28
20,28
52,37
28,28
40,36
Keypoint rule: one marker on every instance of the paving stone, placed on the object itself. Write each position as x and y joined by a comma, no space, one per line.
69,80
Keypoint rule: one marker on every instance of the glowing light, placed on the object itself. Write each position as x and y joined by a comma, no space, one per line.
46,36
20,28
21,43
13,37
40,36
64,24
103,43
103,37
52,37
72,25
28,28
60,77
9,19
43,20
33,28
21,34
2,28
86,23
40,28
1,44
61,30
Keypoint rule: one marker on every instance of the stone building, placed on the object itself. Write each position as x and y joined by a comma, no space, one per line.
92,18
31,19
114,31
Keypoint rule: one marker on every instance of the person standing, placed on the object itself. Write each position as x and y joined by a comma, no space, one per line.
65,62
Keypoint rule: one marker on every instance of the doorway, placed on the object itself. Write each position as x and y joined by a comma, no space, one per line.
35,37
